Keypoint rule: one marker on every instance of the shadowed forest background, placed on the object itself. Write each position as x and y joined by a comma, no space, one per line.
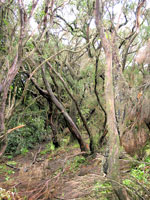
75,99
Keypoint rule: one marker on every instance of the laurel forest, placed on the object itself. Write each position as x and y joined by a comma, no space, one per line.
75,99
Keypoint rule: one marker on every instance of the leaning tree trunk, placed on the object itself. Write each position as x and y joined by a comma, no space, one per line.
71,125
45,94
92,148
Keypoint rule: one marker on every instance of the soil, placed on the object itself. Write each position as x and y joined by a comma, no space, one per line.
62,174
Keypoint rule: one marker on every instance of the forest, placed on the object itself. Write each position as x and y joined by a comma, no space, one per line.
74,100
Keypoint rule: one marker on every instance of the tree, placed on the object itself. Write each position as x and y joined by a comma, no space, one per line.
12,66
15,43
87,73
115,88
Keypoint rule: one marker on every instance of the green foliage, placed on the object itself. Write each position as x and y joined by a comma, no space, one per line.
21,140
9,157
11,162
65,141
147,159
139,173
30,45
6,172
39,14
102,189
85,112
5,22
107,35
7,178
10,172
78,160
29,8
3,169
49,148
24,151
75,145
127,182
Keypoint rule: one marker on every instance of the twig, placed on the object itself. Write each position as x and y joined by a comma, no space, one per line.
136,161
17,127
10,130
34,160
11,166
42,187
141,185
130,189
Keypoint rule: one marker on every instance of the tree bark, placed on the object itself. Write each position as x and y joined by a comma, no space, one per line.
100,105
3,97
73,115
53,127
9,76
114,142
96,94
92,148
45,94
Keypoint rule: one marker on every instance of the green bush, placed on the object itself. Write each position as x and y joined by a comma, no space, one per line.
21,140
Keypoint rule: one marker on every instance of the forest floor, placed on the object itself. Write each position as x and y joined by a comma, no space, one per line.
62,174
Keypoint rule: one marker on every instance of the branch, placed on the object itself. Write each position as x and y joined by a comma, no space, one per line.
41,91
15,128
72,29
138,13
53,56
137,25
96,93
126,21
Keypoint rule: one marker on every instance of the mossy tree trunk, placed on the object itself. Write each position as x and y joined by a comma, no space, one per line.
71,125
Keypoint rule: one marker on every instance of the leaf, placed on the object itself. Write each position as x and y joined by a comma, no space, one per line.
5,22
11,163
52,147
11,87
127,182
107,35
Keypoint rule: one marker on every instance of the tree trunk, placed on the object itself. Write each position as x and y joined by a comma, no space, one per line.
101,140
92,147
71,125
73,115
9,76
121,90
114,142
3,97
53,127
111,120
